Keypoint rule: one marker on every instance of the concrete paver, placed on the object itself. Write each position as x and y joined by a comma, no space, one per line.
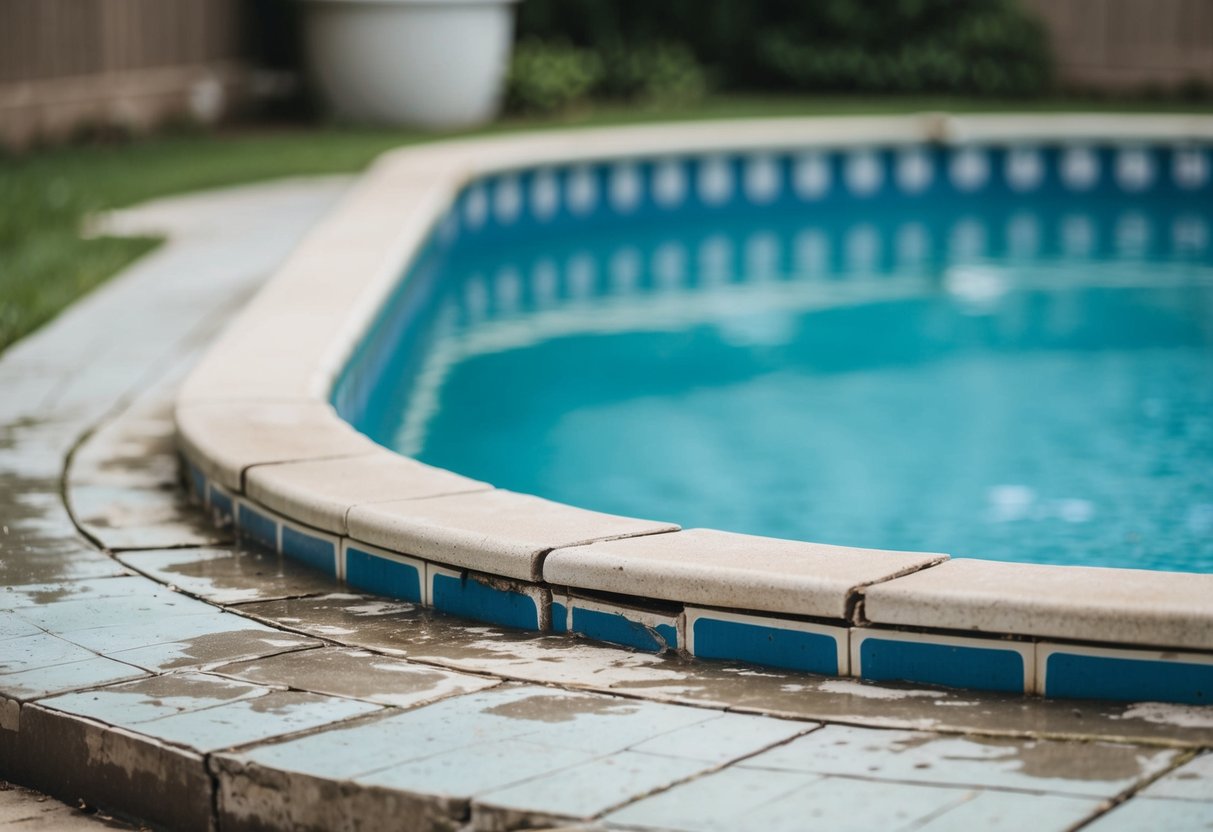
1191,781
1083,768
1145,813
358,674
229,575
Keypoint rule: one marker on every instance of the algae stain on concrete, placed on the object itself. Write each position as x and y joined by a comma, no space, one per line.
553,708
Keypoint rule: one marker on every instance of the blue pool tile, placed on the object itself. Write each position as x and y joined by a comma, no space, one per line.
384,573
1127,675
256,524
795,645
981,664
642,629
560,617
223,505
466,596
314,548
197,481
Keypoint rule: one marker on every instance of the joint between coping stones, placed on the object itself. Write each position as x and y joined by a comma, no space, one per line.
323,458
541,558
854,608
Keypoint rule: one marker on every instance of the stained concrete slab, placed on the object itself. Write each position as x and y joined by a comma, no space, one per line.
134,601
1191,781
252,720
1145,813
206,713
993,811
94,671
585,791
424,636
39,650
231,641
744,798
229,575
121,517
13,627
13,597
721,801
557,719
1101,770
26,564
580,792
358,674
154,698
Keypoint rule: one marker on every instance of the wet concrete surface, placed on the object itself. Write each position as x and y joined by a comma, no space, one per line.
228,575
424,636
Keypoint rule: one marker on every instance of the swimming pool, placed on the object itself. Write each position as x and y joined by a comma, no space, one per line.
996,350
820,282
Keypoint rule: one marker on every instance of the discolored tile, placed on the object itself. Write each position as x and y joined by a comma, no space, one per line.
229,575
358,674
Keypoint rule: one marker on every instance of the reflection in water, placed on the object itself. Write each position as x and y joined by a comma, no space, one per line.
1008,378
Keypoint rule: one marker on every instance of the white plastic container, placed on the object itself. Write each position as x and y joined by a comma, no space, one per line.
435,64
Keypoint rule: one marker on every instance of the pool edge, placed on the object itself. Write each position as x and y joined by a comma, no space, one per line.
259,398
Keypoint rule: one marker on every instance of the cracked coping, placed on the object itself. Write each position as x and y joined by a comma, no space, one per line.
254,416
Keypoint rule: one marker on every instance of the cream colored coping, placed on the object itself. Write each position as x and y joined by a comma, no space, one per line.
254,415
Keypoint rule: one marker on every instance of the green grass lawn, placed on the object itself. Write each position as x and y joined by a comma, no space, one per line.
45,196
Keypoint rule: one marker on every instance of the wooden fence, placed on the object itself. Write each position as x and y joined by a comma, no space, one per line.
1130,45
68,63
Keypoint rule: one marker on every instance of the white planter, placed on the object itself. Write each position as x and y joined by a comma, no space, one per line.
425,63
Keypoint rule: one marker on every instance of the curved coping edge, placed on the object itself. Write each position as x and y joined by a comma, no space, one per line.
265,449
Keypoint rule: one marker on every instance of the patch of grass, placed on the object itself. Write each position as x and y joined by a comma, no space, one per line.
45,196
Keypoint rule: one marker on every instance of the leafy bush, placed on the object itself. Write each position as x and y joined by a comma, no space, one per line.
664,73
914,46
546,77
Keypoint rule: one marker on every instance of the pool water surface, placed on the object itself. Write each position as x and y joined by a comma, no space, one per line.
963,366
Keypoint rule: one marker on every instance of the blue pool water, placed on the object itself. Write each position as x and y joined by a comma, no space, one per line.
993,353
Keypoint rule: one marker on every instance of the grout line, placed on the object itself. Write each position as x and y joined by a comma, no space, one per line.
709,771
1136,788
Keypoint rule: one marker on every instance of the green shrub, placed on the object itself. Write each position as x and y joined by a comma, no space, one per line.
916,46
659,73
547,77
